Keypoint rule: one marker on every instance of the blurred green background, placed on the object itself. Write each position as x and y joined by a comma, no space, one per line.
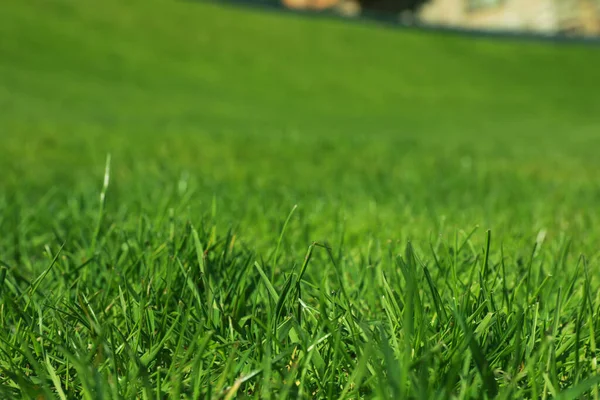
401,134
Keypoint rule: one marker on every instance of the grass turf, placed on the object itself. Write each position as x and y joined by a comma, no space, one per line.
444,242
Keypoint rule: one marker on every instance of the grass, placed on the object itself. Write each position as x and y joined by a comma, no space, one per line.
292,208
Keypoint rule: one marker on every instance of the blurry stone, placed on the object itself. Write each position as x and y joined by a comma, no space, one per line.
310,4
295,4
541,16
348,8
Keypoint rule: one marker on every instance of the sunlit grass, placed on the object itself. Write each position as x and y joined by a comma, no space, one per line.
292,208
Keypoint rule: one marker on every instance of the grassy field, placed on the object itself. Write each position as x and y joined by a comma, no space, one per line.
292,208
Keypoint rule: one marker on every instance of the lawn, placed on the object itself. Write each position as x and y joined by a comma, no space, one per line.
202,201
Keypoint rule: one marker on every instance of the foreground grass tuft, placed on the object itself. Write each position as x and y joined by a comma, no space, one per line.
167,306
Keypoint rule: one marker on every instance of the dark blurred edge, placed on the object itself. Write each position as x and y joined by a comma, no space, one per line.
394,21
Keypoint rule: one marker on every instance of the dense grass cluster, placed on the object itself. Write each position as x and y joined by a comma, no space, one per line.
292,208
152,305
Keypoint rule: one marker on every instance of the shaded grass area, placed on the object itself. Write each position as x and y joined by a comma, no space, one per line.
296,208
